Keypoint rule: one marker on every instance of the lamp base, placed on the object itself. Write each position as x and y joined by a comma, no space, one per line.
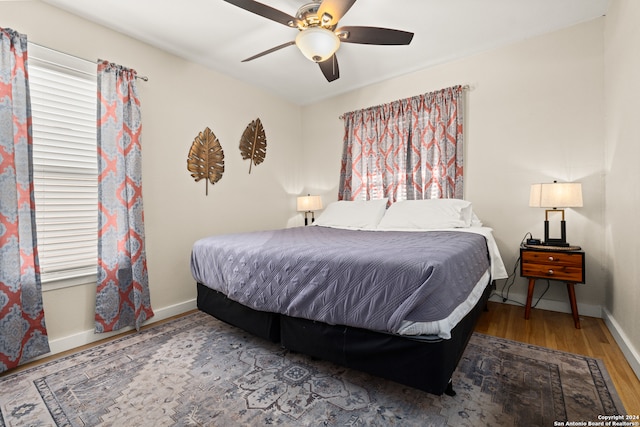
550,241
306,220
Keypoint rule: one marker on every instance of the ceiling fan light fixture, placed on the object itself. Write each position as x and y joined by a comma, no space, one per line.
317,44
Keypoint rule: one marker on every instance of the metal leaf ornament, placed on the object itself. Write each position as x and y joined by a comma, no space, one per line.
253,144
206,158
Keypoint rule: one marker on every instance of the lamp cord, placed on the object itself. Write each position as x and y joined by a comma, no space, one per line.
511,279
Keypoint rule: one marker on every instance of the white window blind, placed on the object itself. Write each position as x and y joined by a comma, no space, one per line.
63,106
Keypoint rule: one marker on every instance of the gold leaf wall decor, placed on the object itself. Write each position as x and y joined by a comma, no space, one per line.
253,143
206,158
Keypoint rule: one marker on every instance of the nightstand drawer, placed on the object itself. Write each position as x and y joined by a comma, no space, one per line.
554,265
552,258
546,271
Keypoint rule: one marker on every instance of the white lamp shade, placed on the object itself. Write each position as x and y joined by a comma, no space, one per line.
309,203
318,44
556,195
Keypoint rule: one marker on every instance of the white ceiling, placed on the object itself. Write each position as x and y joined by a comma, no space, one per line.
219,35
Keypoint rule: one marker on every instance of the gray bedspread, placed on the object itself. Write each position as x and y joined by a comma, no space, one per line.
366,279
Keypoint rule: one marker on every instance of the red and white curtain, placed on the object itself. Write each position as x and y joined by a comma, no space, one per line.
122,297
406,150
23,334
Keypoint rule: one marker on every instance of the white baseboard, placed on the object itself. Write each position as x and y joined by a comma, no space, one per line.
629,351
87,337
551,305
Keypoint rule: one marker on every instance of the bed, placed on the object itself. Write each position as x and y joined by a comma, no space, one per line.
393,292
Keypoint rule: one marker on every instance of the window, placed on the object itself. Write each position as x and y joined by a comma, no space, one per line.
410,149
63,105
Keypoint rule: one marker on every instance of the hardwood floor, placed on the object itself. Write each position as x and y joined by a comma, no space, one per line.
556,330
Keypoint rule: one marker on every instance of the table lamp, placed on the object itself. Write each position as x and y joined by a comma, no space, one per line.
308,204
556,196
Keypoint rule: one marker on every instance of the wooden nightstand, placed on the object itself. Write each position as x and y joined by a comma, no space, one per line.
566,266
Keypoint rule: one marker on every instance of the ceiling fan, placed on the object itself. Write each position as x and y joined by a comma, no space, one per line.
319,39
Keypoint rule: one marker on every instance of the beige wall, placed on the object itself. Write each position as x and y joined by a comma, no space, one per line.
622,140
179,100
534,114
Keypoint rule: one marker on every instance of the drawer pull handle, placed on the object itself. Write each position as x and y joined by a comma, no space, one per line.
551,258
550,272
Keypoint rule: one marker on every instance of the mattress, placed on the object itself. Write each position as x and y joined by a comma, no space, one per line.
409,283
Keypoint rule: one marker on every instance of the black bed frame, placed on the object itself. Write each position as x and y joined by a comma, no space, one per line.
425,365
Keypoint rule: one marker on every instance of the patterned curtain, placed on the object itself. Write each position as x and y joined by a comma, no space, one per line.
23,334
408,149
375,153
122,297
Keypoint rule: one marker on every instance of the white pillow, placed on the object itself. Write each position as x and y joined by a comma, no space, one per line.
429,214
475,221
358,214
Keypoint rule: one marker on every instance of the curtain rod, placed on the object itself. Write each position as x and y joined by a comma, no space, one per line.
143,78
464,87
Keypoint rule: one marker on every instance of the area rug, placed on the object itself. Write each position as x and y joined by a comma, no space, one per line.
198,371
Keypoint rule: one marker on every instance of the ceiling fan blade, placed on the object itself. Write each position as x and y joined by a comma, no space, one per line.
373,35
273,49
335,9
266,12
330,68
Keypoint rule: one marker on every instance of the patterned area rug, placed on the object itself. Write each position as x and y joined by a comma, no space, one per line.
198,371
